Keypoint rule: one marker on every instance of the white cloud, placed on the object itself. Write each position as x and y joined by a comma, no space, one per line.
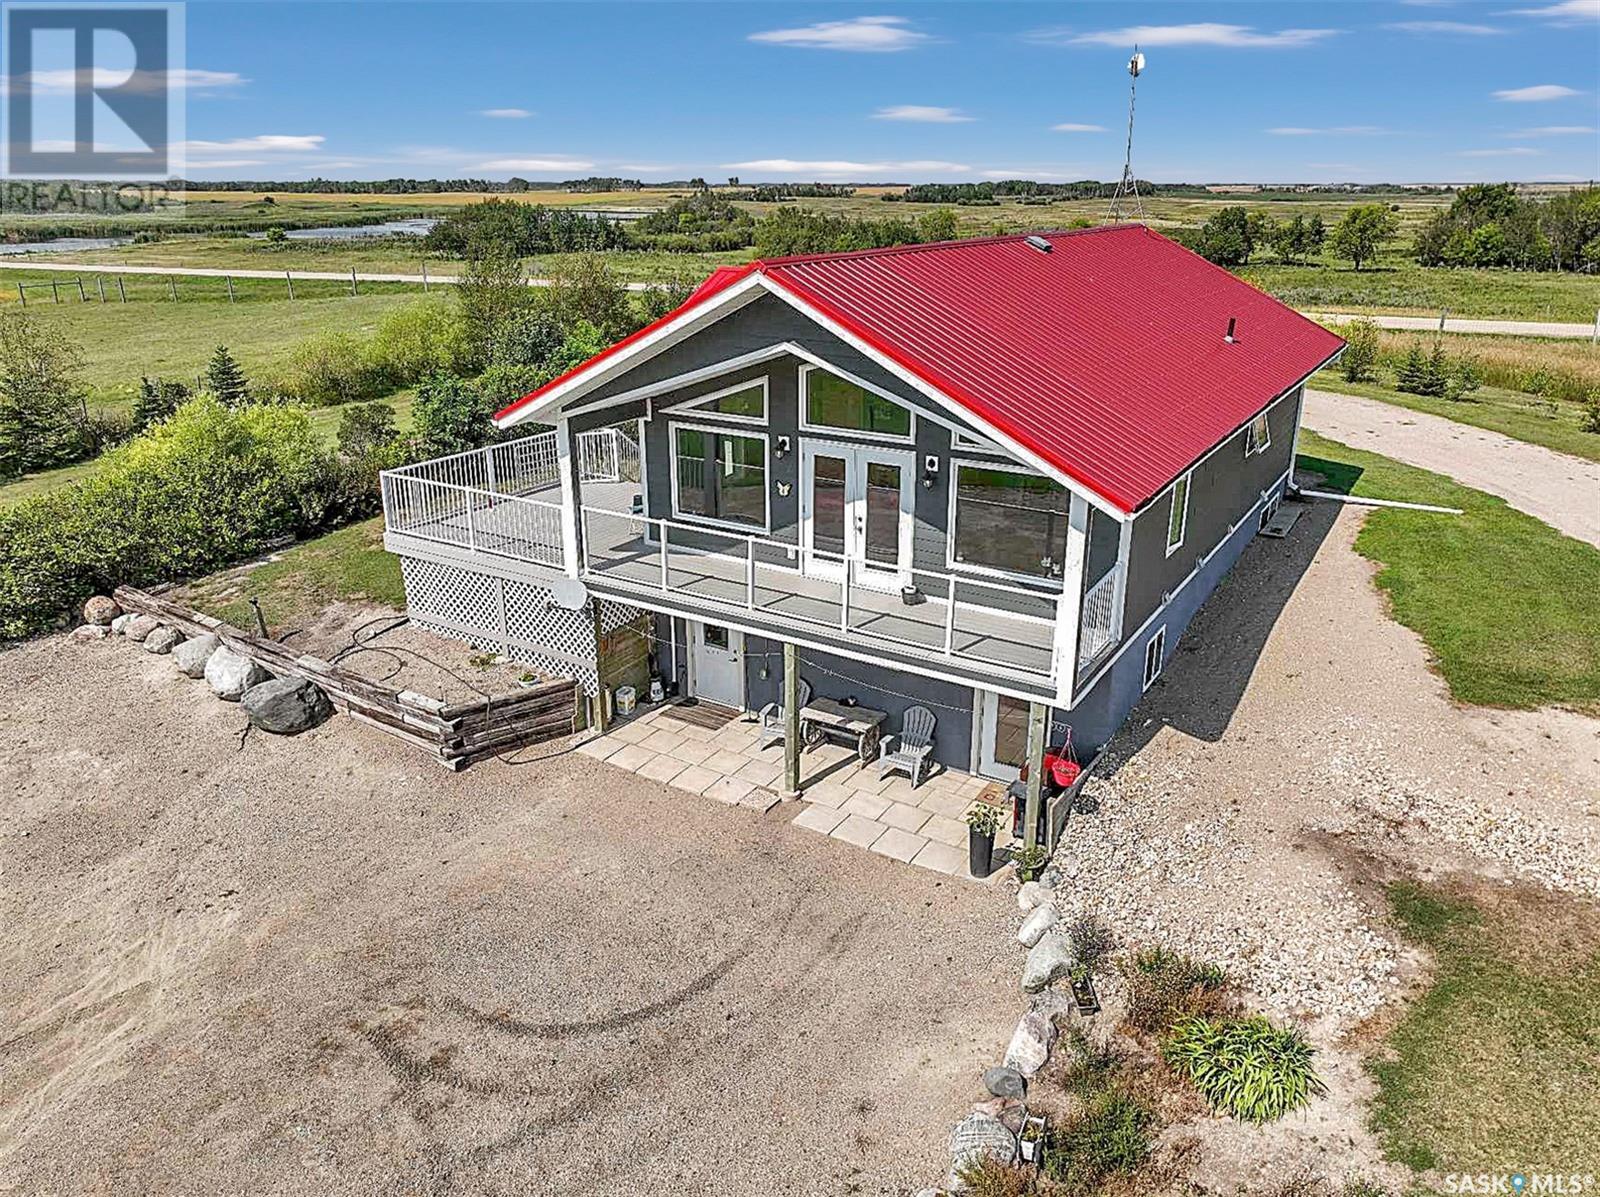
1542,91
924,113
506,114
1445,27
64,82
1338,130
1565,12
1510,151
1551,131
876,35
260,144
556,164
1074,127
833,166
1199,34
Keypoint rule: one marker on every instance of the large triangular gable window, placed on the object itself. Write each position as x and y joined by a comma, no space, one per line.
831,403
746,401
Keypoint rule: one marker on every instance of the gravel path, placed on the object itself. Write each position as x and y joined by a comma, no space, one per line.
1459,324
1562,490
322,965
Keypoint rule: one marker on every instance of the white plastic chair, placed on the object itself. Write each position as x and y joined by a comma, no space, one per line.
909,751
771,717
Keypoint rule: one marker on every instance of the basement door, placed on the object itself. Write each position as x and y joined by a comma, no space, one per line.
716,664
855,510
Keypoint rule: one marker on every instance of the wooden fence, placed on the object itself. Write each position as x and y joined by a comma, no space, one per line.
455,734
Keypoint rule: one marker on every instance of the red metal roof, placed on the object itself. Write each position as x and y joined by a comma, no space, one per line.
1106,357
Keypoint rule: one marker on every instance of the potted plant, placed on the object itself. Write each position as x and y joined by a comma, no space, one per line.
1083,993
1091,942
1030,862
1031,1140
528,679
983,821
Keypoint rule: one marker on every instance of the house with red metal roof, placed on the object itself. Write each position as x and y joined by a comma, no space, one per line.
993,478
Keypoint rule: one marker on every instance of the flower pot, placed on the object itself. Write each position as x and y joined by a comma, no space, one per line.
1084,995
1030,1143
980,851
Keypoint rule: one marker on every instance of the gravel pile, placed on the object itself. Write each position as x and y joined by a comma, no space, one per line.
1211,882
1376,793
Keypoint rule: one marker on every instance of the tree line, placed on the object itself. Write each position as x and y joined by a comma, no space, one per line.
1491,225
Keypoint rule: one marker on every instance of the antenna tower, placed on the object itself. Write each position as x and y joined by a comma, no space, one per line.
1128,188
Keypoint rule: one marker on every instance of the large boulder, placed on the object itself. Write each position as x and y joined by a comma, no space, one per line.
84,633
230,674
140,626
1036,924
1048,961
286,705
1004,1082
101,610
119,625
163,640
1031,1043
1032,894
978,1135
191,656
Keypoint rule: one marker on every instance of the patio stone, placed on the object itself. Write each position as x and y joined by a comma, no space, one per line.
663,768
942,858
943,802
899,788
760,799
725,762
761,773
827,793
630,733
693,752
868,806
819,818
696,779
858,830
690,731
867,780
631,757
906,818
600,748
899,845
661,740
729,790
945,831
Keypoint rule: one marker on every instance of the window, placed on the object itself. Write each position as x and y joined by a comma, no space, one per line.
968,440
834,402
1155,648
746,401
719,476
715,636
1178,518
1257,436
1009,521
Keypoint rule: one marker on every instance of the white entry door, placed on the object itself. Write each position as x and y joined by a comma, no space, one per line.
716,664
1002,735
855,506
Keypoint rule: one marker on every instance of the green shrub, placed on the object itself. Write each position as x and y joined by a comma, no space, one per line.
1246,1067
1165,986
1360,359
985,1176
1091,942
451,415
421,339
1111,1138
1089,1068
206,487
1591,411
333,367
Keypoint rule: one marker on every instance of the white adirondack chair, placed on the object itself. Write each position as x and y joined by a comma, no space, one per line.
909,751
771,717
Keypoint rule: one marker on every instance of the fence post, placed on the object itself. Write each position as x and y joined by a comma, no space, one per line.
54,292
425,280
100,285
230,288
1443,312
172,287
289,278
121,291
81,297
22,295
352,280
1595,338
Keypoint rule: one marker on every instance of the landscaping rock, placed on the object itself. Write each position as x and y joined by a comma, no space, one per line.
979,1135
230,674
163,640
191,656
1004,1082
91,631
1048,961
1031,1043
119,625
1036,924
101,610
286,706
1032,894
140,626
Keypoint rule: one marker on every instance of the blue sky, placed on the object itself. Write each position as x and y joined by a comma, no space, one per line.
1419,91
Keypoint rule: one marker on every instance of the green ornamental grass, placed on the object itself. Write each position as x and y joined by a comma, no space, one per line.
1246,1067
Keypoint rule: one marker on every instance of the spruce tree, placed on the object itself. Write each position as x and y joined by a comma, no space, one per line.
1411,373
1435,372
157,399
41,396
225,379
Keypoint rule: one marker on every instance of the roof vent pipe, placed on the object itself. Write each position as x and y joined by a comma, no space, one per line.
1231,322
1040,244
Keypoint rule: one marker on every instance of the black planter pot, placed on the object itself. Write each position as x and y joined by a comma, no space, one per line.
980,851
1087,999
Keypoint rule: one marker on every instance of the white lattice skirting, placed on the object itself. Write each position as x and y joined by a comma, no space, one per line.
510,617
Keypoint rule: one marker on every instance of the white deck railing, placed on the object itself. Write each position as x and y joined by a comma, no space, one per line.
1098,625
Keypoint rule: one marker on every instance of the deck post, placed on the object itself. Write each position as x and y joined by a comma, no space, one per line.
568,478
1038,728
1069,607
791,721
601,722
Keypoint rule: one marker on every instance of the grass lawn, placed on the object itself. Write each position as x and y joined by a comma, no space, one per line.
1496,1068
1546,422
349,565
1504,602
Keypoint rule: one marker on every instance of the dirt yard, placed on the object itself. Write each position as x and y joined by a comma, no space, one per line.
323,965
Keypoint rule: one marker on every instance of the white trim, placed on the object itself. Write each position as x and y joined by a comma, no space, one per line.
567,480
735,649
1250,431
689,378
1186,480
698,403
1049,584
711,522
987,709
965,441
1158,641
805,425
1069,607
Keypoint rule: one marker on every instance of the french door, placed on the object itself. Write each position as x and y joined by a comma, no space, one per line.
855,506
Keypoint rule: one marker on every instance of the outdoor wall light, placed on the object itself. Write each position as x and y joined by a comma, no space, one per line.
930,470
781,446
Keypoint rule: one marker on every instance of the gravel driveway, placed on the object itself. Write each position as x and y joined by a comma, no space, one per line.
322,965
1562,490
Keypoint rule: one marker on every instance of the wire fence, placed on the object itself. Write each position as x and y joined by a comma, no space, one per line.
121,288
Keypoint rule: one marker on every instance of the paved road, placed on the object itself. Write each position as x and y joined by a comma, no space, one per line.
1455,324
1563,491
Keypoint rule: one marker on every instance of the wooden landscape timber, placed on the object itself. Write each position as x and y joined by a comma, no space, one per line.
454,734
